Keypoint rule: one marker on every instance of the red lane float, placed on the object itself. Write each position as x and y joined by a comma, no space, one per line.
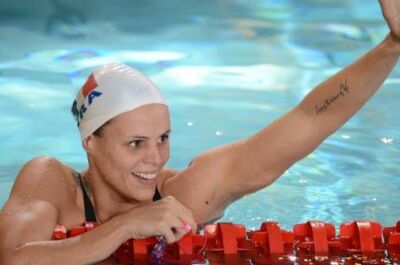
313,242
271,244
60,231
391,237
316,242
362,240
189,248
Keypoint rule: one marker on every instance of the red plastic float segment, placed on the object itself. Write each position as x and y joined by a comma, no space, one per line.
141,247
362,241
225,237
394,239
316,238
229,235
366,235
124,254
76,231
393,248
388,231
271,244
190,245
275,239
391,237
86,227
363,237
90,225
185,246
59,233
188,250
231,242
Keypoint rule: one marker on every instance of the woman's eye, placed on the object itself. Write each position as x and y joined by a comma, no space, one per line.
164,138
135,143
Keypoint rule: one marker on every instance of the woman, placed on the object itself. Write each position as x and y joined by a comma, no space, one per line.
124,125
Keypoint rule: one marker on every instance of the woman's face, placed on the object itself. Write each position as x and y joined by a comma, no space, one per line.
132,150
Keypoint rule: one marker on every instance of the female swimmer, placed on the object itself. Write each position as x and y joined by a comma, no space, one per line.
124,124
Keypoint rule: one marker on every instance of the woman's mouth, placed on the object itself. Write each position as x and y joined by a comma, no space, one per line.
145,178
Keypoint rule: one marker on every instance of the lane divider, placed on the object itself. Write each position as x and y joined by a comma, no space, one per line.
362,242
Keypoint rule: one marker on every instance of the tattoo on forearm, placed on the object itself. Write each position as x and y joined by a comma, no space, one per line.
343,91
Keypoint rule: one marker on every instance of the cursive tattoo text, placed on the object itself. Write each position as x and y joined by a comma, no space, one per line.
343,91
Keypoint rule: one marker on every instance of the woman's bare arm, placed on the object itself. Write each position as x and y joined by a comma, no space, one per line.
27,221
325,109
219,176
35,226
37,200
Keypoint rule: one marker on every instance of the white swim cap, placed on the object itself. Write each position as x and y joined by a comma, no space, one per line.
111,90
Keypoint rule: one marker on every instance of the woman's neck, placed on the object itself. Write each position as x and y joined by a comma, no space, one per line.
107,202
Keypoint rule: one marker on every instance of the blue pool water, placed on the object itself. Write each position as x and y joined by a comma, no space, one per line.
227,69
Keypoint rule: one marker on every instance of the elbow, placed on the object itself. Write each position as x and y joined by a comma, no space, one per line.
269,178
258,182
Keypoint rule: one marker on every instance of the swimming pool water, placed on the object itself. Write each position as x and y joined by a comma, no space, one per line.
227,69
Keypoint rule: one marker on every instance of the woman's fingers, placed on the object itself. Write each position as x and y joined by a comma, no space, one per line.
185,215
168,233
187,220
172,229
185,226
166,217
188,225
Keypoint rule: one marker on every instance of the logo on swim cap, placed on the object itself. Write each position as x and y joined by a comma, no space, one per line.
88,92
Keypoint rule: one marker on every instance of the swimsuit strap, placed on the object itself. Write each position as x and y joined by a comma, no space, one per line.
157,195
90,215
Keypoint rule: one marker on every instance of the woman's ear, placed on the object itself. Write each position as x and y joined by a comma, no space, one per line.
88,143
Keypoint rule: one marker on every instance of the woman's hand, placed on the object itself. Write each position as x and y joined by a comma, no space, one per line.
166,217
391,13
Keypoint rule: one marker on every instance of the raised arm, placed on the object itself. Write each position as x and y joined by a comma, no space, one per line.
287,140
325,108
218,177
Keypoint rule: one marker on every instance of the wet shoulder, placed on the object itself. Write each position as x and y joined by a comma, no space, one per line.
45,178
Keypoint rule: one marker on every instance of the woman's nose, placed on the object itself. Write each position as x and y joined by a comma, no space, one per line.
153,155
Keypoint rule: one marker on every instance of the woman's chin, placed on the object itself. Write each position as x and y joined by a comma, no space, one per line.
142,189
